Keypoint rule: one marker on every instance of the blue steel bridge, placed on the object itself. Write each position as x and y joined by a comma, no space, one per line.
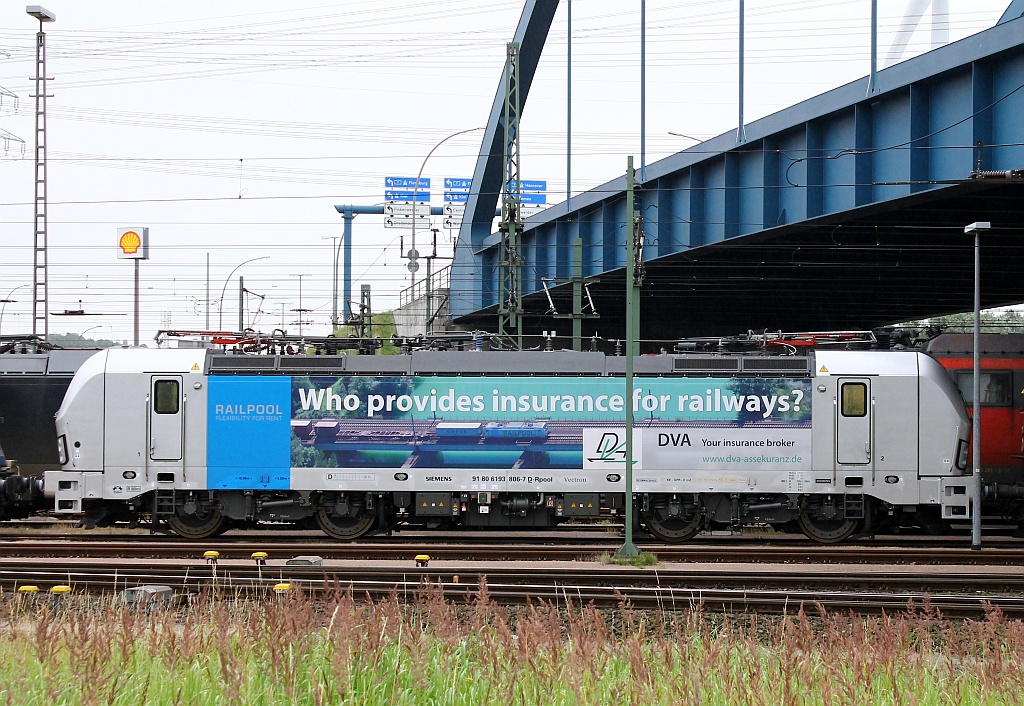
845,211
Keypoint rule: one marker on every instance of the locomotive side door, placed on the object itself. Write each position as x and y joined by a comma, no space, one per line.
853,422
166,418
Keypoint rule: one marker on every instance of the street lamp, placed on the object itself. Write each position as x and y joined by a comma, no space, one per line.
91,328
220,319
40,13
977,229
7,300
337,253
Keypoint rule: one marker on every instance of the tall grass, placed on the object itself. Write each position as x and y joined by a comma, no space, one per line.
339,649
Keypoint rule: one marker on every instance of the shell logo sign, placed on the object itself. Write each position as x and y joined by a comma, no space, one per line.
129,242
133,243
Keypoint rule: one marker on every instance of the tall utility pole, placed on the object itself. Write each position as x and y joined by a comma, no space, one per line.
510,306
40,277
336,251
976,229
301,312
634,278
741,131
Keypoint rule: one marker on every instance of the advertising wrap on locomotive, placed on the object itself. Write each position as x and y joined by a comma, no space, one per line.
829,442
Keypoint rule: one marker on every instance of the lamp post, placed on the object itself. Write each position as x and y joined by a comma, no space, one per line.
334,297
91,328
7,300
977,229
220,306
40,256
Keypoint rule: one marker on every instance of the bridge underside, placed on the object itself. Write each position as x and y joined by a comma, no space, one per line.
876,266
846,211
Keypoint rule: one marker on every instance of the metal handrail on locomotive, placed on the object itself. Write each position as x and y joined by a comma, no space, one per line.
830,442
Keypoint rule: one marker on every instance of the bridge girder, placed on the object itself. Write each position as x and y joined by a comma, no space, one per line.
843,211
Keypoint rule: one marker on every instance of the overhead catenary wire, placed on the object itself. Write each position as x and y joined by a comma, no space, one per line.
263,45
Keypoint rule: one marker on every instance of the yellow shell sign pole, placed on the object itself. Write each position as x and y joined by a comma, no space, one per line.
133,244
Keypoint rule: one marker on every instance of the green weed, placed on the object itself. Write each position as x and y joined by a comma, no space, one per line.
339,649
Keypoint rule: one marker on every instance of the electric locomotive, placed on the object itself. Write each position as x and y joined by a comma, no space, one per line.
831,442
33,379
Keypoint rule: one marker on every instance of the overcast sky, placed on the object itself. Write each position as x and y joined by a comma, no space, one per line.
231,129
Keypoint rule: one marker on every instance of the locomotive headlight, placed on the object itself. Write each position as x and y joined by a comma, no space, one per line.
62,449
961,455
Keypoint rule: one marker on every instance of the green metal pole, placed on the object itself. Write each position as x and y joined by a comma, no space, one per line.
628,549
241,304
577,294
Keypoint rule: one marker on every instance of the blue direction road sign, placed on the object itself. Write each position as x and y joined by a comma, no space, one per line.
533,199
450,183
405,183
456,196
421,196
530,185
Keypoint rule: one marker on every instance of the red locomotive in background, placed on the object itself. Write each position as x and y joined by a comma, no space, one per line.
1002,400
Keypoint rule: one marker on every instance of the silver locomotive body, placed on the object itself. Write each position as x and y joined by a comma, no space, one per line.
829,443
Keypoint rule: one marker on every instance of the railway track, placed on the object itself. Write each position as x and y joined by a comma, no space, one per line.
994,532
777,589
580,549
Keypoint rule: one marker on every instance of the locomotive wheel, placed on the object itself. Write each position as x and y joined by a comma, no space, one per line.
673,530
826,531
201,525
344,527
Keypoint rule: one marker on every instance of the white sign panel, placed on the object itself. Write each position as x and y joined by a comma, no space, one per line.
406,209
695,450
727,449
405,222
133,243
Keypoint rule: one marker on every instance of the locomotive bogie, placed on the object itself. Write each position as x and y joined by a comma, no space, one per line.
353,444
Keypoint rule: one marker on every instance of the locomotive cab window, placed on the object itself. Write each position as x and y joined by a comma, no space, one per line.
165,397
996,387
854,399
